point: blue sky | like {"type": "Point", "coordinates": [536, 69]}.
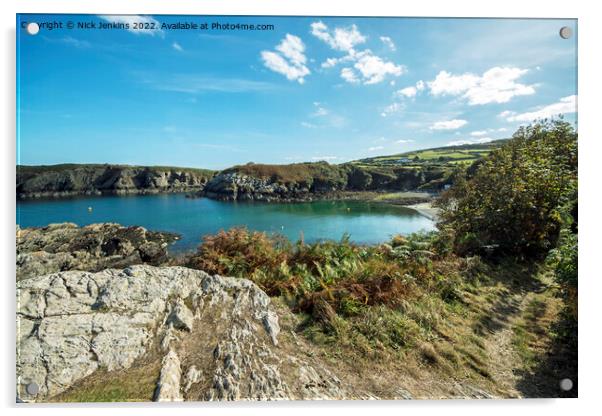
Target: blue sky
{"type": "Point", "coordinates": [334, 89]}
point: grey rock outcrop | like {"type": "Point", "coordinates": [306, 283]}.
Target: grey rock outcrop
{"type": "Point", "coordinates": [69, 180]}
{"type": "Point", "coordinates": [235, 186]}
{"type": "Point", "coordinates": [222, 346]}
{"type": "Point", "coordinates": [65, 246]}
{"type": "Point", "coordinates": [181, 317]}
{"type": "Point", "coordinates": [321, 181]}
{"type": "Point", "coordinates": [168, 387]}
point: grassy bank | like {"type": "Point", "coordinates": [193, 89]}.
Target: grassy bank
{"type": "Point", "coordinates": [410, 306]}
{"type": "Point", "coordinates": [489, 302]}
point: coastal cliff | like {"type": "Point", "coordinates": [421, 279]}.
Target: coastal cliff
{"type": "Point", "coordinates": [260, 182]}
{"type": "Point", "coordinates": [73, 179]}
{"type": "Point", "coordinates": [308, 181]}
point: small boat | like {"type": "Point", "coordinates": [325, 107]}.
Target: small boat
{"type": "Point", "coordinates": [89, 209]}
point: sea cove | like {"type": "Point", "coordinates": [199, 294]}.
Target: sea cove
{"type": "Point", "coordinates": [365, 222]}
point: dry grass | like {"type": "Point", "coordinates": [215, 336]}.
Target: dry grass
{"type": "Point", "coordinates": [293, 173]}
{"type": "Point", "coordinates": [136, 384]}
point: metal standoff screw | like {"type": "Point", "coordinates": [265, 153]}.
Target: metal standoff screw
{"type": "Point", "coordinates": [566, 384]}
{"type": "Point", "coordinates": [32, 388]}
{"type": "Point", "coordinates": [33, 28]}
{"type": "Point", "coordinates": [565, 32]}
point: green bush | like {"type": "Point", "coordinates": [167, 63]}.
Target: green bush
{"type": "Point", "coordinates": [511, 200]}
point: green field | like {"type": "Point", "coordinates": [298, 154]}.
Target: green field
{"type": "Point", "coordinates": [453, 155]}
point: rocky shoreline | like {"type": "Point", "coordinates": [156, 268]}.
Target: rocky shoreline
{"type": "Point", "coordinates": [62, 181]}
{"type": "Point", "coordinates": [65, 246]}
{"type": "Point", "coordinates": [235, 186]}
{"type": "Point", "coordinates": [268, 183]}
{"type": "Point", "coordinates": [92, 309]}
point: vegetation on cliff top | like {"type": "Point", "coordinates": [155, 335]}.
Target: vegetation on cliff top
{"type": "Point", "coordinates": [428, 169]}
{"type": "Point", "coordinates": [439, 156]}
{"type": "Point", "coordinates": [438, 297]}
{"type": "Point", "coordinates": [76, 179]}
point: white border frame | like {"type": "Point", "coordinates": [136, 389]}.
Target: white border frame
{"type": "Point", "coordinates": [589, 155]}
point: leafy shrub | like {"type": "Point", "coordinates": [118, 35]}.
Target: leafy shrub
{"type": "Point", "coordinates": [242, 253]}
{"type": "Point", "coordinates": [564, 260]}
{"type": "Point", "coordinates": [511, 199]}
{"type": "Point", "coordinates": [346, 276]}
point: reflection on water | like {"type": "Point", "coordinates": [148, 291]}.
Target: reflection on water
{"type": "Point", "coordinates": [192, 218]}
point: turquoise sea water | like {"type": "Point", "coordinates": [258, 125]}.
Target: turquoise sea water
{"type": "Point", "coordinates": [194, 217]}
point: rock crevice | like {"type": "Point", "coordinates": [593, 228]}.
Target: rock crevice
{"type": "Point", "coordinates": [216, 338]}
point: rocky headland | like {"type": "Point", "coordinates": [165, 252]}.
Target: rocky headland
{"type": "Point", "coordinates": [65, 246]}
{"type": "Point", "coordinates": [258, 182]}
{"type": "Point", "coordinates": [72, 180]}
{"type": "Point", "coordinates": [311, 181]}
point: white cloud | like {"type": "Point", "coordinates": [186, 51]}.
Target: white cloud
{"type": "Point", "coordinates": [402, 141]}
{"type": "Point", "coordinates": [308, 125]}
{"type": "Point", "coordinates": [374, 69]}
{"type": "Point", "coordinates": [75, 42]}
{"type": "Point", "coordinates": [506, 113]}
{"type": "Point", "coordinates": [409, 92]}
{"type": "Point", "coordinates": [448, 124]}
{"type": "Point", "coordinates": [289, 60]}
{"type": "Point", "coordinates": [367, 68]}
{"type": "Point", "coordinates": [324, 158]}
{"type": "Point", "coordinates": [324, 117]}
{"type": "Point", "coordinates": [565, 105]}
{"type": "Point", "coordinates": [375, 148]}
{"type": "Point", "coordinates": [342, 39]}
{"type": "Point", "coordinates": [320, 111]}
{"type": "Point", "coordinates": [348, 75]}
{"type": "Point", "coordinates": [392, 108]}
{"type": "Point", "coordinates": [177, 47]}
{"type": "Point", "coordinates": [293, 48]}
{"type": "Point", "coordinates": [330, 62]}
{"type": "Point", "coordinates": [388, 42]}
{"type": "Point", "coordinates": [130, 20]}
{"type": "Point", "coordinates": [496, 85]}
{"type": "Point", "coordinates": [470, 141]}
{"type": "Point", "coordinates": [481, 133]}
{"type": "Point", "coordinates": [193, 84]}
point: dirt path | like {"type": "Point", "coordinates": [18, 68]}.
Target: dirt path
{"type": "Point", "coordinates": [518, 335]}
{"type": "Point", "coordinates": [503, 358]}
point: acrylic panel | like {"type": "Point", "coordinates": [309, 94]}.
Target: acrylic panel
{"type": "Point", "coordinates": [295, 208]}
